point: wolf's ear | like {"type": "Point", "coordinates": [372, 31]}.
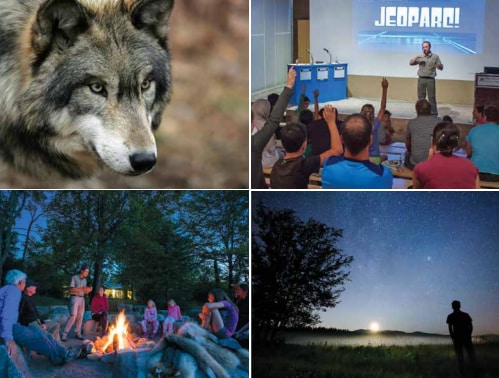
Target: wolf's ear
{"type": "Point", "coordinates": [58, 23]}
{"type": "Point", "coordinates": [152, 16]}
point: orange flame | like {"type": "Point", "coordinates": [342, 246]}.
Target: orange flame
{"type": "Point", "coordinates": [120, 329]}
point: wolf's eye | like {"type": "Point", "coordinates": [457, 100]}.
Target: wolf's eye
{"type": "Point", "coordinates": [146, 84]}
{"type": "Point", "coordinates": [97, 88]}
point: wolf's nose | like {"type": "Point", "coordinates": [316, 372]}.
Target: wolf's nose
{"type": "Point", "coordinates": [142, 162]}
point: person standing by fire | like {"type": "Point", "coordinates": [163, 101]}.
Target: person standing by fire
{"type": "Point", "coordinates": [77, 290]}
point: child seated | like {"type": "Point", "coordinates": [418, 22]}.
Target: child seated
{"type": "Point", "coordinates": [150, 317]}
{"type": "Point", "coordinates": [220, 314]}
{"type": "Point", "coordinates": [173, 315]}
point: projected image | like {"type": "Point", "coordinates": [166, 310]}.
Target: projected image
{"type": "Point", "coordinates": [452, 26]}
{"type": "Point", "coordinates": [407, 41]}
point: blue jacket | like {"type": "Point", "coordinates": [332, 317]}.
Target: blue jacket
{"type": "Point", "coordinates": [10, 296]}
{"type": "Point", "coordinates": [339, 172]}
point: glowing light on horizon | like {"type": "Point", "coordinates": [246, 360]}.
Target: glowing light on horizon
{"type": "Point", "coordinates": [374, 326]}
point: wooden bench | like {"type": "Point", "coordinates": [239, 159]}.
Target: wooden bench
{"type": "Point", "coordinates": [309, 186]}
{"type": "Point", "coordinates": [406, 173]}
{"type": "Point", "coordinates": [315, 181]}
{"type": "Point", "coordinates": [402, 179]}
{"type": "Point", "coordinates": [489, 184]}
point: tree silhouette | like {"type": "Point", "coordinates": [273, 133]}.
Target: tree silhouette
{"type": "Point", "coordinates": [161, 244]}
{"type": "Point", "coordinates": [11, 205]}
{"type": "Point", "coordinates": [296, 271]}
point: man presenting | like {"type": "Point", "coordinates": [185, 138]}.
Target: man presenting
{"type": "Point", "coordinates": [77, 290]}
{"type": "Point", "coordinates": [428, 64]}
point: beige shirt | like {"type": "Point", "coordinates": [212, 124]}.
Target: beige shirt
{"type": "Point", "coordinates": [428, 65]}
{"type": "Point", "coordinates": [77, 282]}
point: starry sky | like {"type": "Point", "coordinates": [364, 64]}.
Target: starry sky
{"type": "Point", "coordinates": [414, 253]}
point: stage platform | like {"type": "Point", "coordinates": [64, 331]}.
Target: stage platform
{"type": "Point", "coordinates": [402, 109]}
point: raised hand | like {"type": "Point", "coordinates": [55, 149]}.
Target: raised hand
{"type": "Point", "coordinates": [290, 80]}
{"type": "Point", "coordinates": [329, 113]}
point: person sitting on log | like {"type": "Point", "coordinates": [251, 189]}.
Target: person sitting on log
{"type": "Point", "coordinates": [220, 315]}
{"type": "Point", "coordinates": [173, 316]}
{"type": "Point", "coordinates": [100, 308]}
{"type": "Point", "coordinates": [150, 317]}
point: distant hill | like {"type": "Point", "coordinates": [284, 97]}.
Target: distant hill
{"type": "Point", "coordinates": [335, 331]}
{"type": "Point", "coordinates": [490, 338]}
{"type": "Point", "coordinates": [396, 333]}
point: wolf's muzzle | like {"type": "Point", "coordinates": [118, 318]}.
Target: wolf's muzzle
{"type": "Point", "coordinates": [142, 162]}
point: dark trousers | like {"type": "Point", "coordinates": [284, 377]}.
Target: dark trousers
{"type": "Point", "coordinates": [459, 346]}
{"type": "Point", "coordinates": [408, 163]}
{"type": "Point", "coordinates": [101, 319]}
{"type": "Point", "coordinates": [427, 85]}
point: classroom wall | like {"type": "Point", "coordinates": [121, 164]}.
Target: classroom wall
{"type": "Point", "coordinates": [404, 89]}
{"type": "Point", "coordinates": [271, 43]}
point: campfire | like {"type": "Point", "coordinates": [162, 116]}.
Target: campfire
{"type": "Point", "coordinates": [191, 351]}
{"type": "Point", "coordinates": [117, 337]}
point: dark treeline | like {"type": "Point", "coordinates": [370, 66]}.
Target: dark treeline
{"type": "Point", "coordinates": [297, 271]}
{"type": "Point", "coordinates": [161, 244]}
{"type": "Point", "coordinates": [319, 330]}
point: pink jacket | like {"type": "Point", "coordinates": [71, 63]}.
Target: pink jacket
{"type": "Point", "coordinates": [174, 312]}
{"type": "Point", "coordinates": [150, 313]}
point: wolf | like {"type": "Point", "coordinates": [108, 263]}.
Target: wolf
{"type": "Point", "coordinates": [83, 85]}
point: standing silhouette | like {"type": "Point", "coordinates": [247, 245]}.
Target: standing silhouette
{"type": "Point", "coordinates": [460, 329]}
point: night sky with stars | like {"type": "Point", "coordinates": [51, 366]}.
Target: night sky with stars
{"type": "Point", "coordinates": [414, 253]}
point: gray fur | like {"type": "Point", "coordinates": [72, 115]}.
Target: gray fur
{"type": "Point", "coordinates": [224, 356]}
{"type": "Point", "coordinates": [192, 354]}
{"type": "Point", "coordinates": [187, 366]}
{"type": "Point", "coordinates": [83, 84]}
{"type": "Point", "coordinates": [206, 361]}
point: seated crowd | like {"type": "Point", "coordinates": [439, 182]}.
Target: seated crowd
{"type": "Point", "coordinates": [347, 154]}
{"type": "Point", "coordinates": [21, 324]}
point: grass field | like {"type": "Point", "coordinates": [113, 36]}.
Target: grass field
{"type": "Point", "coordinates": [364, 361]}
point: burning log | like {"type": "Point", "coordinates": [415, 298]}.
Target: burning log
{"type": "Point", "coordinates": [193, 352]}
{"type": "Point", "coordinates": [118, 335]}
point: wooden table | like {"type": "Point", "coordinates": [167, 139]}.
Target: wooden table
{"type": "Point", "coordinates": [396, 149]}
{"type": "Point", "coordinates": [402, 172]}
